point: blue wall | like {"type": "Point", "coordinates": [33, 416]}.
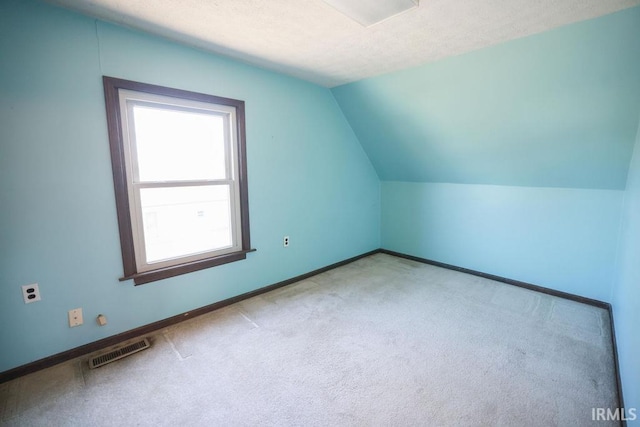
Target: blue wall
{"type": "Point", "coordinates": [513, 159]}
{"type": "Point", "coordinates": [558, 109]}
{"type": "Point", "coordinates": [559, 238]}
{"type": "Point", "coordinates": [308, 178]}
{"type": "Point", "coordinates": [626, 295]}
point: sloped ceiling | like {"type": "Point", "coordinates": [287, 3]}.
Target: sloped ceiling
{"type": "Point", "coordinates": [508, 92]}
{"type": "Point", "coordinates": [558, 109]}
{"type": "Point", "coordinates": [311, 40]}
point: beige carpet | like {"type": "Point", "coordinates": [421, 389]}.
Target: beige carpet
{"type": "Point", "coordinates": [381, 341]}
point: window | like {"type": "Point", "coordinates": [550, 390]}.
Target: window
{"type": "Point", "coordinates": [180, 177]}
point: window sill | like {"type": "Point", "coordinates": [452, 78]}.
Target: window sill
{"type": "Point", "coordinates": [164, 273]}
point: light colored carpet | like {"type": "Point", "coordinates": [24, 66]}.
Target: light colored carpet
{"type": "Point", "coordinates": [381, 341]}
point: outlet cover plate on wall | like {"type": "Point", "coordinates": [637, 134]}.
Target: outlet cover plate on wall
{"type": "Point", "coordinates": [75, 317]}
{"type": "Point", "coordinates": [30, 293]}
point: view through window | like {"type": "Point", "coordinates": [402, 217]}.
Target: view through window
{"type": "Point", "coordinates": [180, 177]}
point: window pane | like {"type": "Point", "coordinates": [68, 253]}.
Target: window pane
{"type": "Point", "coordinates": [175, 145]}
{"type": "Point", "coordinates": [183, 221]}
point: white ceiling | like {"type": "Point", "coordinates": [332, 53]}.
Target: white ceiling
{"type": "Point", "coordinates": [313, 41]}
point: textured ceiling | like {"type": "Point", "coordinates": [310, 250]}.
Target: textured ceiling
{"type": "Point", "coordinates": [311, 40]}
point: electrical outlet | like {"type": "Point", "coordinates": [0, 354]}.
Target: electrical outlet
{"type": "Point", "coordinates": [285, 241]}
{"type": "Point", "coordinates": [75, 317]}
{"type": "Point", "coordinates": [30, 293]}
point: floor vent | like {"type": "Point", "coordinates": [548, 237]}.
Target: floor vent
{"type": "Point", "coordinates": [118, 353]}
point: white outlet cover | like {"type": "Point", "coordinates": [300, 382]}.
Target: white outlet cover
{"type": "Point", "coordinates": [30, 293]}
{"type": "Point", "coordinates": [75, 317]}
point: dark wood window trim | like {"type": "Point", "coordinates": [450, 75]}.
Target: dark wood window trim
{"type": "Point", "coordinates": [114, 123]}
